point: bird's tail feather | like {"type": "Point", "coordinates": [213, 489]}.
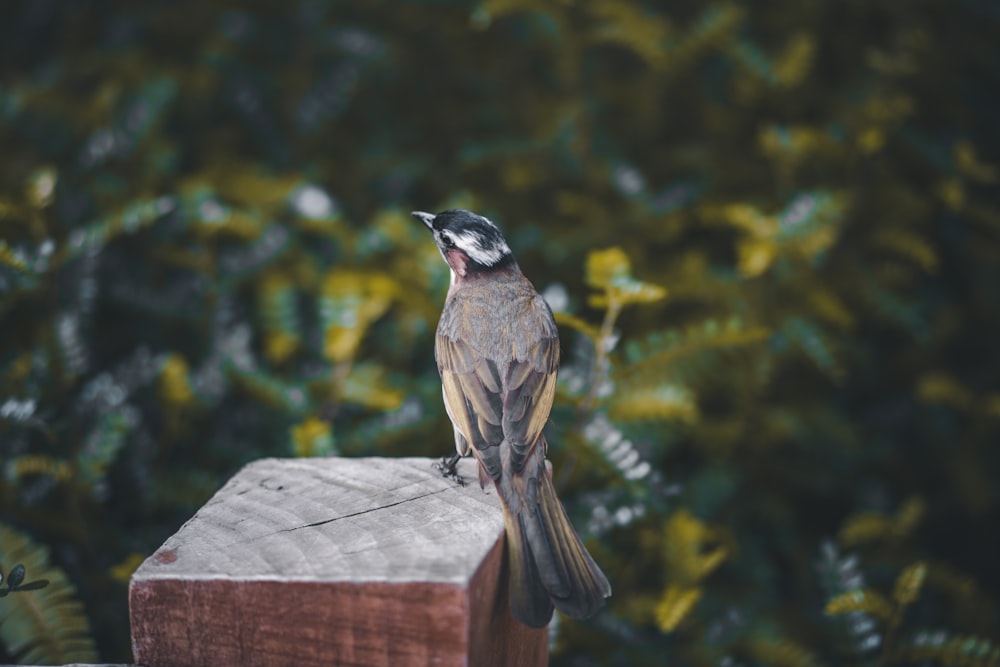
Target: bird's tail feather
{"type": "Point", "coordinates": [529, 601]}
{"type": "Point", "coordinates": [549, 564]}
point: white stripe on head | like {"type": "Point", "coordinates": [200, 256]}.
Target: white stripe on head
{"type": "Point", "coordinates": [472, 244]}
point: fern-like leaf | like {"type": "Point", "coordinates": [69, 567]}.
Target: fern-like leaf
{"type": "Point", "coordinates": [667, 401]}
{"type": "Point", "coordinates": [674, 607]}
{"type": "Point", "coordinates": [909, 583]}
{"type": "Point", "coordinates": [867, 601]}
{"type": "Point", "coordinates": [677, 353]}
{"type": "Point", "coordinates": [47, 625]}
{"type": "Point", "coordinates": [781, 653]}
{"type": "Point", "coordinates": [944, 649]}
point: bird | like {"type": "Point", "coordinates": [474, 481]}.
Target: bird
{"type": "Point", "coordinates": [497, 351]}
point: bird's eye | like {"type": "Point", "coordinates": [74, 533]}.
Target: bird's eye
{"type": "Point", "coordinates": [447, 240]}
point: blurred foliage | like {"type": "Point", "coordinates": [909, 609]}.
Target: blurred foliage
{"type": "Point", "coordinates": [772, 233]}
{"type": "Point", "coordinates": [41, 620]}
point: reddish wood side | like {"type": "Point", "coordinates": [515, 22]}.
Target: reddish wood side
{"type": "Point", "coordinates": [268, 623]}
{"type": "Point", "coordinates": [195, 623]}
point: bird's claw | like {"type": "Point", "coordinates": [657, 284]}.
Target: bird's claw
{"type": "Point", "coordinates": [448, 466]}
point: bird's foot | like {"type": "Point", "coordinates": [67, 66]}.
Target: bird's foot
{"type": "Point", "coordinates": [449, 468]}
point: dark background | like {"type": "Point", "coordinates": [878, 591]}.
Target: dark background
{"type": "Point", "coordinates": [772, 230]}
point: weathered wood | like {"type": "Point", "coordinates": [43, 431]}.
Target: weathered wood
{"type": "Point", "coordinates": [333, 562]}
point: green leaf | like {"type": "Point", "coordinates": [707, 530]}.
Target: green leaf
{"type": "Point", "coordinates": [47, 625]}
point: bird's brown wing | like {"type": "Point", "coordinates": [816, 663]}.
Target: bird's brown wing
{"type": "Point", "coordinates": [473, 399]}
{"type": "Point", "coordinates": [530, 388]}
{"type": "Point", "coordinates": [488, 408]}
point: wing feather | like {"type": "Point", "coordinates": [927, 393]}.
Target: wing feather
{"type": "Point", "coordinates": [531, 387]}
{"type": "Point", "coordinates": [489, 375]}
{"type": "Point", "coordinates": [456, 405]}
{"type": "Point", "coordinates": [474, 409]}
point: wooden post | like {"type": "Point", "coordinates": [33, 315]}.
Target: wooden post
{"type": "Point", "coordinates": [334, 561]}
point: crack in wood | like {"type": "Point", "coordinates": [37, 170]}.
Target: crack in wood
{"type": "Point", "coordinates": [354, 514]}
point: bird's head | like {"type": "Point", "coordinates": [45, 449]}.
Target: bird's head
{"type": "Point", "coordinates": [469, 242]}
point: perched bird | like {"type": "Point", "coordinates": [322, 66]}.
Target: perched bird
{"type": "Point", "coordinates": [497, 350]}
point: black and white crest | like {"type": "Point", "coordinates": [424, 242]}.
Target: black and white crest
{"type": "Point", "coordinates": [473, 234]}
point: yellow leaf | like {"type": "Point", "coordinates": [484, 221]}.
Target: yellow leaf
{"type": "Point", "coordinates": [631, 27]}
{"type": "Point", "coordinates": [627, 291]}
{"type": "Point", "coordinates": [606, 266]}
{"type": "Point", "coordinates": [598, 301]}
{"type": "Point", "coordinates": [710, 29]}
{"type": "Point", "coordinates": [969, 164]}
{"type": "Point", "coordinates": [943, 389]}
{"type": "Point", "coordinates": [868, 601]}
{"type": "Point", "coordinates": [952, 193]}
{"type": "Point", "coordinates": [42, 187]}
{"type": "Point", "coordinates": [991, 405]}
{"type": "Point", "coordinates": [245, 183]}
{"type": "Point", "coordinates": [888, 108]}
{"type": "Point", "coordinates": [908, 516]}
{"type": "Point", "coordinates": [368, 386]}
{"type": "Point", "coordinates": [749, 218]}
{"type": "Point", "coordinates": [795, 63]}
{"type": "Point", "coordinates": [869, 527]}
{"type": "Point", "coordinates": [863, 528]}
{"type": "Point", "coordinates": [652, 367]}
{"type": "Point", "coordinates": [910, 246]}
{"type": "Point", "coordinates": [518, 175]}
{"type": "Point", "coordinates": [278, 346]}
{"type": "Point", "coordinates": [218, 220]}
{"type": "Point", "coordinates": [676, 604]}
{"type": "Point", "coordinates": [830, 307]}
{"type": "Point", "coordinates": [312, 437]}
{"type": "Point", "coordinates": [791, 144]}
{"type": "Point", "coordinates": [756, 256]}
{"type": "Point", "coordinates": [8, 258]}
{"type": "Point", "coordinates": [37, 464]}
{"type": "Point", "coordinates": [122, 572]}
{"type": "Point", "coordinates": [666, 401]}
{"type": "Point", "coordinates": [19, 368]}
{"type": "Point", "coordinates": [909, 582]}
{"type": "Point", "coordinates": [871, 140]}
{"type": "Point", "coordinates": [780, 653]}
{"type": "Point", "coordinates": [688, 558]}
{"type": "Point", "coordinates": [276, 297]}
{"type": "Point", "coordinates": [572, 321]}
{"type": "Point", "coordinates": [174, 385]}
{"type": "Point", "coordinates": [350, 303]}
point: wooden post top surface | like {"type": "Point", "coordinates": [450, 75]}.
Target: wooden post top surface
{"type": "Point", "coordinates": [336, 519]}
{"type": "Point", "coordinates": [334, 561]}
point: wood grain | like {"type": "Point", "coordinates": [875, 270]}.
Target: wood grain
{"type": "Point", "coordinates": [334, 562]}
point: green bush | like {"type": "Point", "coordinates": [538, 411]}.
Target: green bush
{"type": "Point", "coordinates": [771, 231]}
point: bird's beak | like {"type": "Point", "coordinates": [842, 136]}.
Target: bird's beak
{"type": "Point", "coordinates": [426, 218]}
